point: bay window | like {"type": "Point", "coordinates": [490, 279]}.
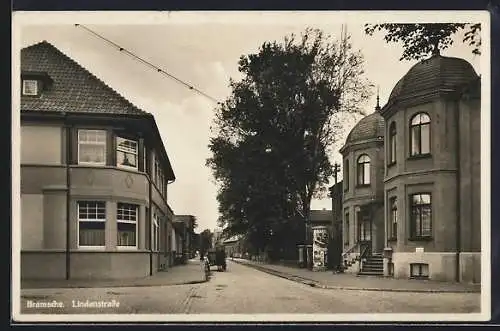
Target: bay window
{"type": "Point", "coordinates": [126, 153]}
{"type": "Point", "coordinates": [393, 218]}
{"type": "Point", "coordinates": [364, 170]}
{"type": "Point", "coordinates": [421, 215]}
{"type": "Point", "coordinates": [392, 144]}
{"type": "Point", "coordinates": [91, 223]}
{"type": "Point", "coordinates": [126, 219]}
{"type": "Point", "coordinates": [92, 147]}
{"type": "Point", "coordinates": [420, 135]}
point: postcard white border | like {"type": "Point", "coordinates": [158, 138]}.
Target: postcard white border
{"type": "Point", "coordinates": [21, 19]}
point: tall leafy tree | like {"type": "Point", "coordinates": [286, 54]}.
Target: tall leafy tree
{"type": "Point", "coordinates": [270, 154]}
{"type": "Point", "coordinates": [422, 40]}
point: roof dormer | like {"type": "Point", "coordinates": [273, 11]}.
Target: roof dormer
{"type": "Point", "coordinates": [33, 83]}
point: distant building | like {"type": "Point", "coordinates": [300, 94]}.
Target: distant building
{"type": "Point", "coordinates": [234, 246]}
{"type": "Point", "coordinates": [94, 176]}
{"type": "Point", "coordinates": [184, 225]}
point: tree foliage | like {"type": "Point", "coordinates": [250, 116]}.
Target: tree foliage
{"type": "Point", "coordinates": [421, 40]}
{"type": "Point", "coordinates": [270, 153]}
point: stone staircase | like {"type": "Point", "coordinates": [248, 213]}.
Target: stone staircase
{"type": "Point", "coordinates": [372, 265]}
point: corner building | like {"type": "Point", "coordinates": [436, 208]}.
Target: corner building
{"type": "Point", "coordinates": [429, 176]}
{"type": "Point", "coordinates": [94, 176]}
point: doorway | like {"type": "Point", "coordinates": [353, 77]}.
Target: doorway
{"type": "Point", "coordinates": [365, 231]}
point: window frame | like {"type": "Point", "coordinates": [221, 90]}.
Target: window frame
{"type": "Point", "coordinates": [104, 144]}
{"type": "Point", "coordinates": [155, 235]}
{"type": "Point", "coordinates": [37, 87]}
{"type": "Point", "coordinates": [119, 149]}
{"type": "Point", "coordinates": [346, 226]}
{"type": "Point", "coordinates": [123, 221]}
{"type": "Point", "coordinates": [392, 159]}
{"type": "Point", "coordinates": [393, 214]}
{"type": "Point", "coordinates": [346, 173]}
{"type": "Point", "coordinates": [89, 220]}
{"type": "Point", "coordinates": [420, 274]}
{"type": "Point", "coordinates": [419, 125]}
{"type": "Point", "coordinates": [158, 175]}
{"type": "Point", "coordinates": [413, 223]}
{"type": "Point", "coordinates": [144, 159]}
{"type": "Point", "coordinates": [362, 165]}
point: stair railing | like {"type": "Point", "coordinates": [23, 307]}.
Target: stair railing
{"type": "Point", "coordinates": [365, 250]}
{"type": "Point", "coordinates": [349, 251]}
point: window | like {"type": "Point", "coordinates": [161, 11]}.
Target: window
{"type": "Point", "coordinates": [92, 147]}
{"type": "Point", "coordinates": [393, 218]}
{"type": "Point", "coordinates": [30, 87]}
{"type": "Point", "coordinates": [346, 228]}
{"type": "Point", "coordinates": [392, 143]}
{"type": "Point", "coordinates": [144, 159]}
{"type": "Point", "coordinates": [91, 223]}
{"type": "Point", "coordinates": [420, 135]}
{"type": "Point", "coordinates": [419, 270]}
{"type": "Point", "coordinates": [156, 232]}
{"type": "Point", "coordinates": [126, 219]}
{"type": "Point", "coordinates": [364, 170]}
{"type": "Point", "coordinates": [159, 178]}
{"type": "Point", "coordinates": [346, 175]}
{"type": "Point", "coordinates": [421, 213]}
{"type": "Point", "coordinates": [126, 153]}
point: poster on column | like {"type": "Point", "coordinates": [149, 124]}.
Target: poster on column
{"type": "Point", "coordinates": [320, 247]}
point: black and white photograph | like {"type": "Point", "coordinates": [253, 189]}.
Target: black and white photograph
{"type": "Point", "coordinates": [251, 166]}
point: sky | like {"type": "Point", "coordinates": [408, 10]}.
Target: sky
{"type": "Point", "coordinates": [203, 49]}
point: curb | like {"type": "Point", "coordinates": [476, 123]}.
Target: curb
{"type": "Point", "coordinates": [314, 283]}
{"type": "Point", "coordinates": [115, 286]}
{"type": "Point", "coordinates": [118, 285]}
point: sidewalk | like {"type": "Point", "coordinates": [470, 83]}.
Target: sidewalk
{"type": "Point", "coordinates": [189, 273]}
{"type": "Point", "coordinates": [330, 280]}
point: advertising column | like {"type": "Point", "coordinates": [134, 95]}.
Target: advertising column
{"type": "Point", "coordinates": [320, 248]}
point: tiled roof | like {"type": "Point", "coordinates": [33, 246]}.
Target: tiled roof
{"type": "Point", "coordinates": [438, 73]}
{"type": "Point", "coordinates": [369, 127]}
{"type": "Point", "coordinates": [74, 89]}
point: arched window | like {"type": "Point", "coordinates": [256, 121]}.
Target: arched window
{"type": "Point", "coordinates": [392, 143]}
{"type": "Point", "coordinates": [364, 170]}
{"type": "Point", "coordinates": [420, 134]}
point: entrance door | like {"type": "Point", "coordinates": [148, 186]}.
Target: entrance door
{"type": "Point", "coordinates": [365, 232]}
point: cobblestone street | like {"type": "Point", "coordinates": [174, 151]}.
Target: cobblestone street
{"type": "Point", "coordinates": [244, 290]}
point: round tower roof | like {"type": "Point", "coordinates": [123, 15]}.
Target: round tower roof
{"type": "Point", "coordinates": [369, 127]}
{"type": "Point", "coordinates": [435, 74]}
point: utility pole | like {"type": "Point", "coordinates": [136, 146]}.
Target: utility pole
{"type": "Point", "coordinates": [336, 170]}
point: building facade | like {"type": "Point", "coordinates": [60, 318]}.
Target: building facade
{"type": "Point", "coordinates": [189, 235]}
{"type": "Point", "coordinates": [94, 176]}
{"type": "Point", "coordinates": [415, 165]}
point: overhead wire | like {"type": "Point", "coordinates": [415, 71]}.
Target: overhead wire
{"type": "Point", "coordinates": [149, 64]}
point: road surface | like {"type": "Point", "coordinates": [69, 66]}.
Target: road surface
{"type": "Point", "coordinates": [243, 290]}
